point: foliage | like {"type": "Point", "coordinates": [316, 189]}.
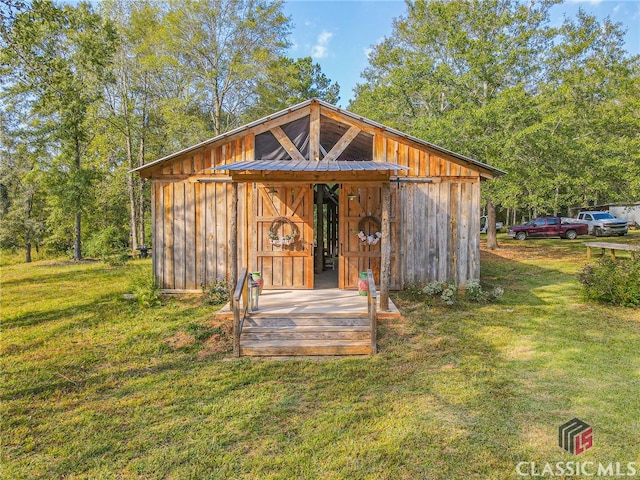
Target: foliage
{"type": "Point", "coordinates": [217, 293]}
{"type": "Point", "coordinates": [289, 82]}
{"type": "Point", "coordinates": [88, 96]}
{"type": "Point", "coordinates": [109, 246]}
{"type": "Point", "coordinates": [55, 61]}
{"type": "Point", "coordinates": [22, 196]}
{"type": "Point", "coordinates": [434, 288]}
{"type": "Point", "coordinates": [474, 292]}
{"type": "Point", "coordinates": [223, 48]}
{"type": "Point", "coordinates": [612, 281]}
{"type": "Point", "coordinates": [449, 292]}
{"type": "Point", "coordinates": [507, 88]}
{"type": "Point", "coordinates": [146, 290]}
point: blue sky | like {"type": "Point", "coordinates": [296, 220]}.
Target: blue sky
{"type": "Point", "coordinates": [339, 33]}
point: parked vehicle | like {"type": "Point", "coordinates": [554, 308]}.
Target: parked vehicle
{"type": "Point", "coordinates": [603, 223]}
{"type": "Point", "coordinates": [548, 227]}
{"type": "Point", "coordinates": [483, 225]}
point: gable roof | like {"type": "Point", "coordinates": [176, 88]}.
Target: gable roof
{"type": "Point", "coordinates": [467, 161]}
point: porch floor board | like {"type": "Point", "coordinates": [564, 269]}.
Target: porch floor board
{"type": "Point", "coordinates": [326, 302]}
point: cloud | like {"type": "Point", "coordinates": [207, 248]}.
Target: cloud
{"type": "Point", "coordinates": [321, 48]}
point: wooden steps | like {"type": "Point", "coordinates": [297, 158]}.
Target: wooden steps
{"type": "Point", "coordinates": [305, 334]}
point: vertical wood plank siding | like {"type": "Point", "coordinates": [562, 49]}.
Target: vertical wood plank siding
{"type": "Point", "coordinates": [190, 221]}
{"type": "Point", "coordinates": [434, 221]}
{"type": "Point", "coordinates": [440, 230]}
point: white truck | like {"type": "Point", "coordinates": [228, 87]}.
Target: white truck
{"type": "Point", "coordinates": [603, 223]}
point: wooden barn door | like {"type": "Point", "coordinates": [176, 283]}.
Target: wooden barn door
{"type": "Point", "coordinates": [282, 211]}
{"type": "Point", "coordinates": [360, 209]}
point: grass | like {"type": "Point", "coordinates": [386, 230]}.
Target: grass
{"type": "Point", "coordinates": [95, 387]}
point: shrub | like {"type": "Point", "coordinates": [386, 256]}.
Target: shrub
{"type": "Point", "coordinates": [108, 246]}
{"type": "Point", "coordinates": [474, 292]}
{"type": "Point", "coordinates": [434, 288]}
{"type": "Point", "coordinates": [146, 290]}
{"type": "Point", "coordinates": [217, 293]}
{"type": "Point", "coordinates": [611, 281]}
{"type": "Point", "coordinates": [448, 295]}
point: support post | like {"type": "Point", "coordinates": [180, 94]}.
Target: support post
{"type": "Point", "coordinates": [385, 248]}
{"type": "Point", "coordinates": [233, 240]}
{"type": "Point", "coordinates": [319, 229]}
{"type": "Point", "coordinates": [314, 132]}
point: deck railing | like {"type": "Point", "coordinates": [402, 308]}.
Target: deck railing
{"type": "Point", "coordinates": [240, 309]}
{"type": "Point", "coordinates": [372, 306]}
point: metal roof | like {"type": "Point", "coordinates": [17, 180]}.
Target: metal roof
{"type": "Point", "coordinates": [323, 104]}
{"type": "Point", "coordinates": [309, 166]}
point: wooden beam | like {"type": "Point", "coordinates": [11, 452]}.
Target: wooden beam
{"type": "Point", "coordinates": [342, 144]}
{"type": "Point", "coordinates": [385, 248]}
{"type": "Point", "coordinates": [314, 177]}
{"type": "Point", "coordinates": [287, 144]}
{"type": "Point", "coordinates": [233, 240]}
{"type": "Point", "coordinates": [314, 133]}
{"type": "Point", "coordinates": [319, 229]}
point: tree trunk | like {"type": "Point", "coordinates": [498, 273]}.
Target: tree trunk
{"type": "Point", "coordinates": [77, 244]}
{"type": "Point", "coordinates": [27, 251]}
{"type": "Point", "coordinates": [492, 239]}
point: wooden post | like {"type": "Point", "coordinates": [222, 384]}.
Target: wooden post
{"type": "Point", "coordinates": [314, 132]}
{"type": "Point", "coordinates": [233, 240]}
{"type": "Point", "coordinates": [319, 229]}
{"type": "Point", "coordinates": [385, 248]}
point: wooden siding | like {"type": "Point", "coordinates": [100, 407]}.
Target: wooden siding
{"type": "Point", "coordinates": [191, 233]}
{"type": "Point", "coordinates": [434, 225]}
{"type": "Point", "coordinates": [440, 232]}
{"type": "Point", "coordinates": [422, 163]}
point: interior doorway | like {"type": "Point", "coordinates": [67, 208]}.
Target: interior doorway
{"type": "Point", "coordinates": [326, 224]}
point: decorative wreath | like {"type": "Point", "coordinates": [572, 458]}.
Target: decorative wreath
{"type": "Point", "coordinates": [369, 239]}
{"type": "Point", "coordinates": [275, 228]}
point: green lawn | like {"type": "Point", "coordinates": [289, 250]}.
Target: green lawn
{"type": "Point", "coordinates": [95, 387]}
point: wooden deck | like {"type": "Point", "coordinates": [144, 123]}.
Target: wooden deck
{"type": "Point", "coordinates": [308, 322]}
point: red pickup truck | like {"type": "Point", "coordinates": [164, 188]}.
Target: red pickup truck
{"type": "Point", "coordinates": [548, 227]}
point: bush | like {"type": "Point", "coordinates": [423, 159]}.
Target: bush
{"type": "Point", "coordinates": [448, 292]}
{"type": "Point", "coordinates": [611, 281]}
{"type": "Point", "coordinates": [108, 246]}
{"type": "Point", "coordinates": [217, 293]}
{"type": "Point", "coordinates": [474, 292]}
{"type": "Point", "coordinates": [146, 290]}
{"type": "Point", "coordinates": [434, 288]}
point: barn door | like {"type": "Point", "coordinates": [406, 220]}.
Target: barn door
{"type": "Point", "coordinates": [360, 211]}
{"type": "Point", "coordinates": [283, 234]}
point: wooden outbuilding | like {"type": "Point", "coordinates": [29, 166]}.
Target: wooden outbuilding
{"type": "Point", "coordinates": [312, 189]}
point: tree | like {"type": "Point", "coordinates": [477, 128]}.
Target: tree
{"type": "Point", "coordinates": [447, 66]}
{"type": "Point", "coordinates": [56, 61]}
{"type": "Point", "coordinates": [222, 49]}
{"type": "Point", "coordinates": [288, 82]}
{"type": "Point", "coordinates": [22, 199]}
{"type": "Point", "coordinates": [493, 80]}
